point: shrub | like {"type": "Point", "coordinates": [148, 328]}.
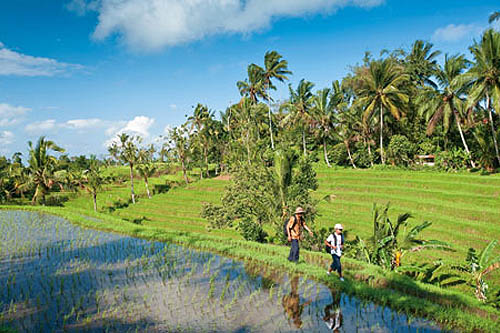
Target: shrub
{"type": "Point", "coordinates": [161, 188]}
{"type": "Point", "coordinates": [400, 150]}
{"type": "Point", "coordinates": [452, 160]}
{"type": "Point", "coordinates": [361, 156]}
{"type": "Point", "coordinates": [56, 200]}
{"type": "Point", "coordinates": [338, 155]}
{"type": "Point", "coordinates": [252, 231]}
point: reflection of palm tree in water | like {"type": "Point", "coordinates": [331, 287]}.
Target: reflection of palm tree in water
{"type": "Point", "coordinates": [291, 303]}
{"type": "Point", "coordinates": [333, 314]}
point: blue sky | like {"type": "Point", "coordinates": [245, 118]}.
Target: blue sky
{"type": "Point", "coordinates": [81, 71]}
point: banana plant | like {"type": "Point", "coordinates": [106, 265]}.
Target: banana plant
{"type": "Point", "coordinates": [387, 245]}
{"type": "Point", "coordinates": [479, 266]}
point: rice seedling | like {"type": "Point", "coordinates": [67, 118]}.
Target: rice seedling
{"type": "Point", "coordinates": [75, 278]}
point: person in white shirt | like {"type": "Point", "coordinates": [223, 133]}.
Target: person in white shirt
{"type": "Point", "coordinates": [336, 242]}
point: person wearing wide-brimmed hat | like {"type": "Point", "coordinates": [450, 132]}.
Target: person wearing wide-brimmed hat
{"type": "Point", "coordinates": [294, 232]}
{"type": "Point", "coordinates": [336, 243]}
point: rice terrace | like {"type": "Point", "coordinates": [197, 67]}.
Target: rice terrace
{"type": "Point", "coordinates": [241, 166]}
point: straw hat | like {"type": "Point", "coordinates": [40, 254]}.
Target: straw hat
{"type": "Point", "coordinates": [299, 210]}
{"type": "Point", "coordinates": [339, 226]}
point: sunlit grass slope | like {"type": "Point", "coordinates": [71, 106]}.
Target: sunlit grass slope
{"type": "Point", "coordinates": [464, 208]}
{"type": "Point", "coordinates": [179, 209]}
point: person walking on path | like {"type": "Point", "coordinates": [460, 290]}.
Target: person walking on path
{"type": "Point", "coordinates": [336, 242]}
{"type": "Point", "coordinates": [294, 233]}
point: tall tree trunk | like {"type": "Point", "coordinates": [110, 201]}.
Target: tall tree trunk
{"type": "Point", "coordinates": [270, 119]}
{"type": "Point", "coordinates": [493, 132]}
{"type": "Point", "coordinates": [184, 173]}
{"type": "Point", "coordinates": [349, 154]}
{"type": "Point", "coordinates": [463, 139]}
{"type": "Point", "coordinates": [304, 141]}
{"type": "Point", "coordinates": [37, 189]}
{"type": "Point", "coordinates": [147, 187]}
{"type": "Point", "coordinates": [326, 154]}
{"type": "Point", "coordinates": [94, 198]}
{"type": "Point", "coordinates": [382, 133]}
{"type": "Point", "coordinates": [369, 152]}
{"type": "Point", "coordinates": [206, 162]}
{"type": "Point", "coordinates": [132, 181]}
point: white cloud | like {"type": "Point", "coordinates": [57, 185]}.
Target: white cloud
{"type": "Point", "coordinates": [81, 7]}
{"type": "Point", "coordinates": [11, 115]}
{"type": "Point", "coordinates": [51, 125]}
{"type": "Point", "coordinates": [140, 126]}
{"type": "Point", "coordinates": [83, 123]}
{"type": "Point", "coordinates": [453, 33]}
{"type": "Point", "coordinates": [153, 24]}
{"type": "Point", "coordinates": [6, 138]}
{"type": "Point", "coordinates": [15, 63]}
{"type": "Point", "coordinates": [41, 126]}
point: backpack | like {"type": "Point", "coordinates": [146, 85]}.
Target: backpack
{"type": "Point", "coordinates": [329, 249]}
{"type": "Point", "coordinates": [286, 224]}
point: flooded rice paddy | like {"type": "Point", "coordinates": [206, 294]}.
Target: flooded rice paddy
{"type": "Point", "coordinates": [57, 277]}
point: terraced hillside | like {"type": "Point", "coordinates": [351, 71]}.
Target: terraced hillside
{"type": "Point", "coordinates": [464, 208]}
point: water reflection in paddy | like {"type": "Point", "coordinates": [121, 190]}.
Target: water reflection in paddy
{"type": "Point", "coordinates": [61, 277]}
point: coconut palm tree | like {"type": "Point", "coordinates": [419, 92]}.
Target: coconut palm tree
{"type": "Point", "coordinates": [200, 126]}
{"type": "Point", "coordinates": [444, 103]}
{"type": "Point", "coordinates": [127, 152]}
{"type": "Point", "coordinates": [93, 180]}
{"type": "Point", "coordinates": [484, 78]}
{"type": "Point", "coordinates": [323, 114]}
{"type": "Point", "coordinates": [494, 17]}
{"type": "Point", "coordinates": [146, 167]}
{"type": "Point", "coordinates": [147, 170]}
{"type": "Point", "coordinates": [179, 140]}
{"type": "Point", "coordinates": [275, 68]}
{"type": "Point", "coordinates": [346, 131]}
{"type": "Point", "coordinates": [253, 87]}
{"type": "Point", "coordinates": [42, 167]}
{"type": "Point", "coordinates": [421, 63]}
{"type": "Point", "coordinates": [299, 107]}
{"type": "Point", "coordinates": [379, 89]}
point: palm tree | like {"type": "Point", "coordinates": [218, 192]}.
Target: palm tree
{"type": "Point", "coordinates": [445, 102]}
{"type": "Point", "coordinates": [93, 181]}
{"type": "Point", "coordinates": [346, 131]}
{"type": "Point", "coordinates": [421, 63]}
{"type": "Point", "coordinates": [323, 114]}
{"type": "Point", "coordinates": [42, 167]}
{"type": "Point", "coordinates": [484, 77]}
{"type": "Point", "coordinates": [379, 88]}
{"type": "Point", "coordinates": [494, 17]}
{"type": "Point", "coordinates": [200, 125]}
{"type": "Point", "coordinates": [253, 87]}
{"type": "Point", "coordinates": [147, 170]}
{"type": "Point", "coordinates": [179, 140]}
{"type": "Point", "coordinates": [127, 152]}
{"type": "Point", "coordinates": [146, 167]}
{"type": "Point", "coordinates": [275, 68]}
{"type": "Point", "coordinates": [299, 107]}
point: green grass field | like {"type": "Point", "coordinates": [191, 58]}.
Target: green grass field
{"type": "Point", "coordinates": [464, 208]}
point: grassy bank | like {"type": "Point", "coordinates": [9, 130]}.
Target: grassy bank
{"type": "Point", "coordinates": [464, 209]}
{"type": "Point", "coordinates": [449, 308]}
